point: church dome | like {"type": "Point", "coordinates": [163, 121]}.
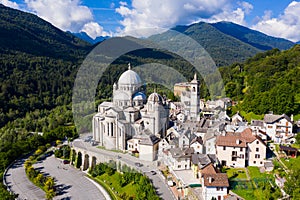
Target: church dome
{"type": "Point", "coordinates": [154, 97]}
{"type": "Point", "coordinates": [130, 78]}
{"type": "Point", "coordinates": [139, 96]}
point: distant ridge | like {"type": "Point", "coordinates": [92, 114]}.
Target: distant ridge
{"type": "Point", "coordinates": [252, 37]}
{"type": "Point", "coordinates": [84, 36]}
{"type": "Point", "coordinates": [227, 42]}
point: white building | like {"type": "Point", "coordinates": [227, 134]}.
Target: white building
{"type": "Point", "coordinates": [278, 127]}
{"type": "Point", "coordinates": [129, 114]}
{"type": "Point", "coordinates": [240, 149]}
{"type": "Point", "coordinates": [214, 186]}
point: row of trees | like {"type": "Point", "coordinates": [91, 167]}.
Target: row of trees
{"type": "Point", "coordinates": [46, 183]}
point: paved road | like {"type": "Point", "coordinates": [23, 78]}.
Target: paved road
{"type": "Point", "coordinates": [158, 181]}
{"type": "Point", "coordinates": [72, 183]}
{"type": "Point", "coordinates": [18, 182]}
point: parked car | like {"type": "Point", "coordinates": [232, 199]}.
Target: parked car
{"type": "Point", "coordinates": [66, 161]}
{"type": "Point", "coordinates": [153, 172]}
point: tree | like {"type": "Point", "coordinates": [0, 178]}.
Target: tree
{"type": "Point", "coordinates": [79, 160]}
{"type": "Point", "coordinates": [49, 183]}
{"type": "Point", "coordinates": [292, 183]}
{"type": "Point", "coordinates": [50, 194]}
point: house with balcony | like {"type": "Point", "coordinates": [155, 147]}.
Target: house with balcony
{"type": "Point", "coordinates": [240, 149]}
{"type": "Point", "coordinates": [278, 127]}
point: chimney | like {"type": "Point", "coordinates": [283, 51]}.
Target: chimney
{"type": "Point", "coordinates": [292, 118]}
{"type": "Point", "coordinates": [237, 141]}
{"type": "Point", "coordinates": [209, 179]}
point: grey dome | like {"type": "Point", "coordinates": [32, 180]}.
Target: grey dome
{"type": "Point", "coordinates": [130, 78]}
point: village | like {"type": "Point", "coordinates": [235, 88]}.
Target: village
{"type": "Point", "coordinates": [194, 142]}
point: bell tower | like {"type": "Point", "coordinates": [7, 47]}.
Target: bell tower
{"type": "Point", "coordinates": [195, 98]}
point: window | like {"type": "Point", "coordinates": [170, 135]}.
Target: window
{"type": "Point", "coordinates": [254, 162]}
{"type": "Point", "coordinates": [242, 156]}
{"type": "Point", "coordinates": [257, 142]}
{"type": "Point", "coordinates": [257, 149]}
{"type": "Point", "coordinates": [257, 156]}
{"type": "Point", "coordinates": [179, 166]}
{"type": "Point", "coordinates": [219, 188]}
{"type": "Point", "coordinates": [224, 148]}
{"type": "Point", "coordinates": [234, 159]}
{"type": "Point", "coordinates": [270, 127]}
{"type": "Point", "coordinates": [241, 149]}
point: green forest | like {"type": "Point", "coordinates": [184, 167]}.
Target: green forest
{"type": "Point", "coordinates": [266, 82]}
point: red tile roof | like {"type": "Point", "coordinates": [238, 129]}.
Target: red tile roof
{"type": "Point", "coordinates": [236, 139]}
{"type": "Point", "coordinates": [215, 180]}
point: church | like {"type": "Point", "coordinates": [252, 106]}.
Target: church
{"type": "Point", "coordinates": [131, 115]}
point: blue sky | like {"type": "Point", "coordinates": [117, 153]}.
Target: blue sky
{"type": "Point", "coordinates": [280, 18]}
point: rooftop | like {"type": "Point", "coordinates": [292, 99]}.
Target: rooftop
{"type": "Point", "coordinates": [215, 180]}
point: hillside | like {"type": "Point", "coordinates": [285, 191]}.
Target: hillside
{"type": "Point", "coordinates": [252, 37]}
{"type": "Point", "coordinates": [267, 82]}
{"type": "Point", "coordinates": [27, 33]}
{"type": "Point", "coordinates": [38, 64]}
{"type": "Point", "coordinates": [228, 43]}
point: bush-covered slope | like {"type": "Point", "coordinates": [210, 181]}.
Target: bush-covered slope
{"type": "Point", "coordinates": [267, 82]}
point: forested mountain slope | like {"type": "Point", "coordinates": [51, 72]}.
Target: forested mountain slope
{"type": "Point", "coordinates": [38, 63]}
{"type": "Point", "coordinates": [267, 82]}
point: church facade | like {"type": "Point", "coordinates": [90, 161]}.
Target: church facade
{"type": "Point", "coordinates": [130, 114]}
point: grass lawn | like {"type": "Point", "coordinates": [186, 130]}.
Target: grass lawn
{"type": "Point", "coordinates": [129, 189]}
{"type": "Point", "coordinates": [256, 188]}
{"type": "Point", "coordinates": [291, 162]}
{"type": "Point", "coordinates": [236, 173]}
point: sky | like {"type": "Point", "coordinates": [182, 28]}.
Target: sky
{"type": "Point", "coordinates": [279, 18]}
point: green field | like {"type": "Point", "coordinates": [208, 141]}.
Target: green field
{"type": "Point", "coordinates": [236, 173]}
{"type": "Point", "coordinates": [259, 187]}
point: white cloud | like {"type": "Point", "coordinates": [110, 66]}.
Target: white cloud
{"type": "Point", "coordinates": [10, 4]}
{"type": "Point", "coordinates": [246, 6]}
{"type": "Point", "coordinates": [65, 14]}
{"type": "Point", "coordinates": [93, 29]}
{"type": "Point", "coordinates": [286, 25]}
{"type": "Point", "coordinates": [151, 14]}
{"type": "Point", "coordinates": [236, 16]}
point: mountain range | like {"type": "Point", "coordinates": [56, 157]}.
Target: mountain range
{"type": "Point", "coordinates": [39, 61]}
{"type": "Point", "coordinates": [226, 42]}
